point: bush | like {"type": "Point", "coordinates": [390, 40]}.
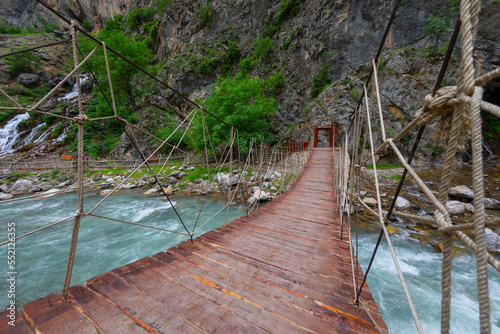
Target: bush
{"type": "Point", "coordinates": [26, 62]}
{"type": "Point", "coordinates": [435, 26]}
{"type": "Point", "coordinates": [50, 27]}
{"type": "Point", "coordinates": [288, 8]}
{"type": "Point", "coordinates": [321, 80]}
{"type": "Point", "coordinates": [208, 66]}
{"type": "Point", "coordinates": [14, 30]}
{"type": "Point", "coordinates": [139, 16]}
{"type": "Point", "coordinates": [57, 131]}
{"type": "Point", "coordinates": [206, 15]}
{"type": "Point", "coordinates": [241, 101]}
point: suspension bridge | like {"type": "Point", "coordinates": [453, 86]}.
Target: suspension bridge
{"type": "Point", "coordinates": [290, 265]}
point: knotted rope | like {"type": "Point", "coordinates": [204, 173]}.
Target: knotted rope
{"type": "Point", "coordinates": [81, 119]}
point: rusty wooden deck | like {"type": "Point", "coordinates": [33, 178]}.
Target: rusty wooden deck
{"type": "Point", "coordinates": [281, 269]}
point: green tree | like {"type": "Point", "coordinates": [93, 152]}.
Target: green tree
{"type": "Point", "coordinates": [437, 25]}
{"type": "Point", "coordinates": [26, 62]}
{"type": "Point", "coordinates": [321, 80]}
{"type": "Point", "coordinates": [240, 101]}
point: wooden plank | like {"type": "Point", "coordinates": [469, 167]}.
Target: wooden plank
{"type": "Point", "coordinates": [12, 323]}
{"type": "Point", "coordinates": [299, 303]}
{"type": "Point", "coordinates": [182, 301]}
{"type": "Point", "coordinates": [143, 309]}
{"type": "Point", "coordinates": [105, 316]}
{"type": "Point", "coordinates": [54, 314]}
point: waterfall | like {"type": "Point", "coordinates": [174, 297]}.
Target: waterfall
{"type": "Point", "coordinates": [44, 135]}
{"type": "Point", "coordinates": [487, 148]}
{"type": "Point", "coordinates": [9, 135]}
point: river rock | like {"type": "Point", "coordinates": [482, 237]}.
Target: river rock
{"type": "Point", "coordinates": [181, 175]}
{"type": "Point", "coordinates": [461, 192]}
{"type": "Point", "coordinates": [172, 179]}
{"type": "Point", "coordinates": [402, 203]}
{"type": "Point", "coordinates": [5, 196]}
{"type": "Point", "coordinates": [492, 241]}
{"type": "Point", "coordinates": [50, 193]}
{"type": "Point", "coordinates": [455, 207]}
{"type": "Point", "coordinates": [45, 186]}
{"type": "Point", "coordinates": [274, 189]}
{"type": "Point", "coordinates": [110, 180]}
{"type": "Point", "coordinates": [469, 207]}
{"type": "Point", "coordinates": [151, 191]}
{"type": "Point", "coordinates": [370, 201]}
{"type": "Point", "coordinates": [221, 177]}
{"type": "Point", "coordinates": [492, 204]}
{"type": "Point", "coordinates": [28, 80]}
{"type": "Point", "coordinates": [21, 185]}
{"type": "Point", "coordinates": [198, 181]}
{"type": "Point", "coordinates": [35, 189]}
{"type": "Point", "coordinates": [175, 173]}
{"type": "Point", "coordinates": [258, 195]}
{"type": "Point", "coordinates": [168, 191]}
{"type": "Point", "coordinates": [108, 191]}
{"type": "Point", "coordinates": [234, 180]}
{"type": "Point", "coordinates": [105, 186]}
{"type": "Point", "coordinates": [4, 188]}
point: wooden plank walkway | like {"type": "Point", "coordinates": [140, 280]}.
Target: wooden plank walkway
{"type": "Point", "coordinates": [281, 269]}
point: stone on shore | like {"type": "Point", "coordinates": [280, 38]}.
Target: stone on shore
{"type": "Point", "coordinates": [461, 192]}
{"type": "Point", "coordinates": [455, 207]}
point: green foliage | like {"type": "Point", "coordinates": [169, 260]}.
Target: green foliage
{"type": "Point", "coordinates": [57, 131]}
{"type": "Point", "coordinates": [231, 56]}
{"type": "Point", "coordinates": [287, 9]}
{"type": "Point", "coordinates": [241, 101]}
{"type": "Point", "coordinates": [163, 5]}
{"type": "Point", "coordinates": [321, 80]}
{"type": "Point", "coordinates": [26, 62]}
{"type": "Point", "coordinates": [86, 25]}
{"type": "Point", "coordinates": [262, 49]}
{"type": "Point", "coordinates": [206, 15]}
{"type": "Point", "coordinates": [50, 27]}
{"type": "Point", "coordinates": [208, 65]}
{"type": "Point", "coordinates": [355, 93]}
{"type": "Point", "coordinates": [6, 114]}
{"type": "Point", "coordinates": [14, 30]}
{"type": "Point", "coordinates": [139, 16]}
{"type": "Point", "coordinates": [435, 26]}
{"type": "Point", "coordinates": [387, 166]}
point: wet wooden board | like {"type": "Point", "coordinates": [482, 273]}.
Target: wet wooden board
{"type": "Point", "coordinates": [281, 269]}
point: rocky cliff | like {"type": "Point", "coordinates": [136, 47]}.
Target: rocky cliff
{"type": "Point", "coordinates": [306, 36]}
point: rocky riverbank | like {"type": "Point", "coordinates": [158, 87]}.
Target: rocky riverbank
{"type": "Point", "coordinates": [413, 201]}
{"type": "Point", "coordinates": [250, 185]}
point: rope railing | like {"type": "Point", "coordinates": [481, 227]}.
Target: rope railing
{"type": "Point", "coordinates": [459, 109]}
{"type": "Point", "coordinates": [259, 157]}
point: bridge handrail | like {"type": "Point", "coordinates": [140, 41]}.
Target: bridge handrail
{"type": "Point", "coordinates": [348, 166]}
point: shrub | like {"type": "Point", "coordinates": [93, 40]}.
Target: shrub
{"type": "Point", "coordinates": [206, 15]}
{"type": "Point", "coordinates": [57, 131]}
{"type": "Point", "coordinates": [355, 94]}
{"type": "Point", "coordinates": [139, 16]}
{"type": "Point", "coordinates": [50, 27]}
{"type": "Point", "coordinates": [321, 80]}
{"type": "Point", "coordinates": [435, 26]}
{"type": "Point", "coordinates": [23, 62]}
{"type": "Point", "coordinates": [288, 8]}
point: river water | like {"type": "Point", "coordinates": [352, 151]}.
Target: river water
{"type": "Point", "coordinates": [104, 245]}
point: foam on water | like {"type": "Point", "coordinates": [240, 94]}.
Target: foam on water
{"type": "Point", "coordinates": [102, 244]}
{"type": "Point", "coordinates": [421, 266]}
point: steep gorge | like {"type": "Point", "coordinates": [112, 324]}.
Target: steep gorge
{"type": "Point", "coordinates": [306, 37]}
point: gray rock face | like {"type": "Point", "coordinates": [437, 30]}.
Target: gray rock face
{"type": "Point", "coordinates": [28, 80]}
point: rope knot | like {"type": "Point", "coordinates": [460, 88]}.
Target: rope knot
{"type": "Point", "coordinates": [444, 103]}
{"type": "Point", "coordinates": [81, 119]}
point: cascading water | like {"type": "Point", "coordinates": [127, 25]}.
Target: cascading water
{"type": "Point", "coordinates": [9, 134]}
{"type": "Point", "coordinates": [10, 138]}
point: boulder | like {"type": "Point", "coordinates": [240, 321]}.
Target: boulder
{"type": "Point", "coordinates": [175, 173]}
{"type": "Point", "coordinates": [469, 207]}
{"type": "Point", "coordinates": [28, 80]}
{"type": "Point", "coordinates": [260, 195]}
{"type": "Point", "coordinates": [461, 192]}
{"type": "Point", "coordinates": [233, 180]}
{"type": "Point", "coordinates": [370, 201]}
{"type": "Point", "coordinates": [21, 185]}
{"type": "Point", "coordinates": [110, 180]}
{"type": "Point", "coordinates": [492, 241]}
{"type": "Point", "coordinates": [168, 191]}
{"type": "Point", "coordinates": [105, 186]}
{"type": "Point", "coordinates": [402, 203]}
{"type": "Point", "coordinates": [492, 204]}
{"type": "Point", "coordinates": [45, 186]}
{"type": "Point", "coordinates": [5, 196]}
{"type": "Point", "coordinates": [455, 207]}
{"type": "Point", "coordinates": [50, 193]}
{"type": "Point", "coordinates": [5, 188]}
{"type": "Point", "coordinates": [172, 179]}
{"type": "Point", "coordinates": [151, 191]}
{"type": "Point", "coordinates": [108, 191]}
{"type": "Point", "coordinates": [274, 189]}
{"type": "Point", "coordinates": [181, 175]}
{"type": "Point", "coordinates": [35, 189]}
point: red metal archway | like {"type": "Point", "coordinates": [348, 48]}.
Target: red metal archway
{"type": "Point", "coordinates": [333, 134]}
